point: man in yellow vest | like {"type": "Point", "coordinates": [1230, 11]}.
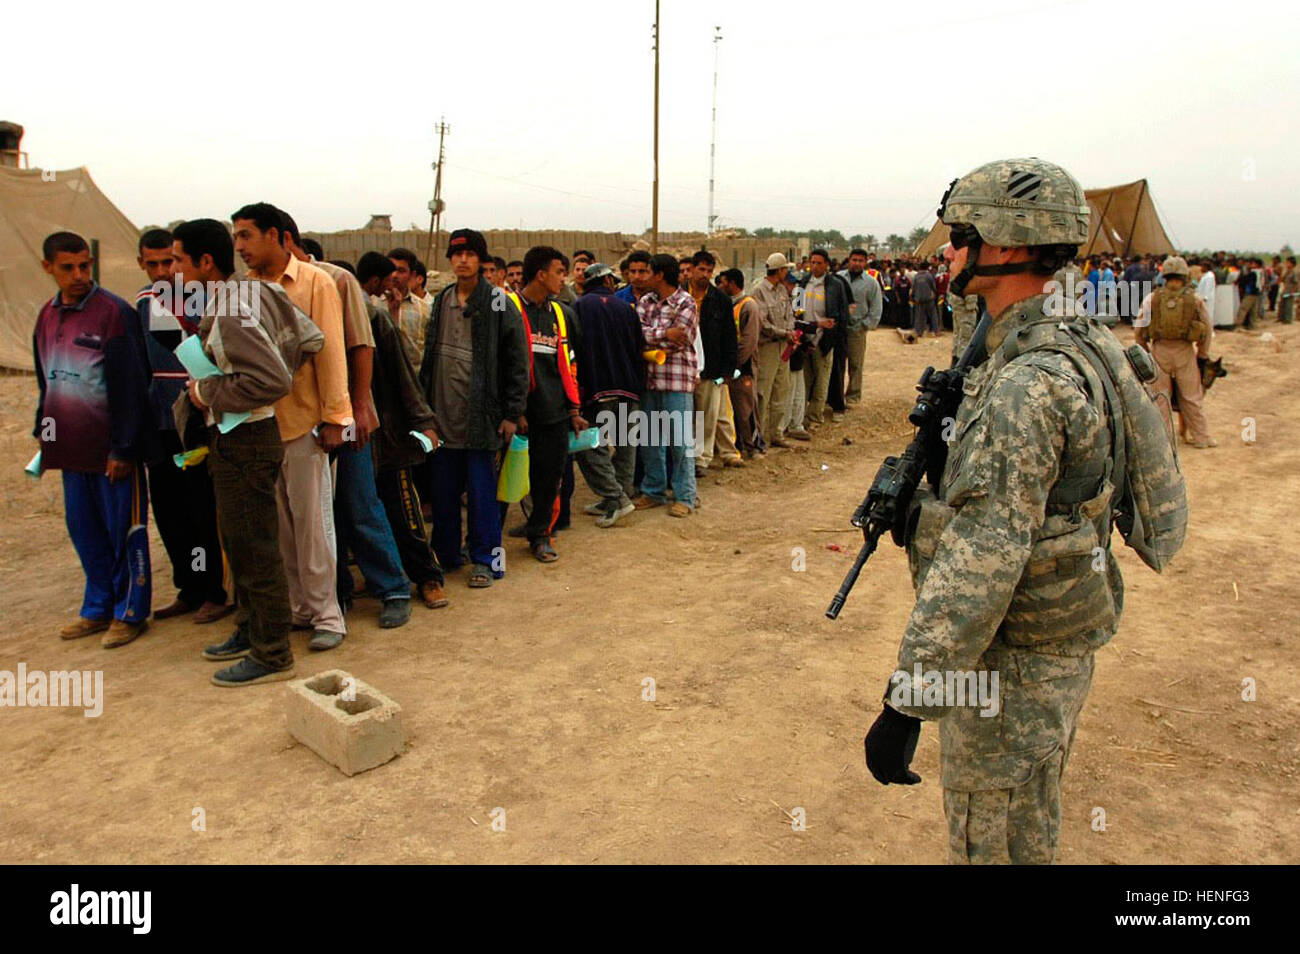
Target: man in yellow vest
{"type": "Point", "coordinates": [1174, 325]}
{"type": "Point", "coordinates": [554, 408]}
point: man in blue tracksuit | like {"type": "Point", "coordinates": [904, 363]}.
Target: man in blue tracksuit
{"type": "Point", "coordinates": [92, 424]}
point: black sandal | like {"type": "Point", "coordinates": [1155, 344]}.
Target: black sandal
{"type": "Point", "coordinates": [544, 552]}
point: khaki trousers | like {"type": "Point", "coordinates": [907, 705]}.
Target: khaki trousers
{"type": "Point", "coordinates": [304, 499]}
{"type": "Point", "coordinates": [1176, 361]}
{"type": "Point", "coordinates": [773, 388]}
{"type": "Point", "coordinates": [1246, 310]}
{"type": "Point", "coordinates": [791, 418]}
{"type": "Point", "coordinates": [726, 436]}
{"type": "Point", "coordinates": [708, 400]}
{"type": "Point", "coordinates": [817, 369]}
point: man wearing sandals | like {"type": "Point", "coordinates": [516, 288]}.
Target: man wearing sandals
{"type": "Point", "coordinates": [554, 406]}
{"type": "Point", "coordinates": [474, 375]}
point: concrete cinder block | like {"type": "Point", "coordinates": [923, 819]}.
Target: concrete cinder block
{"type": "Point", "coordinates": [348, 723]}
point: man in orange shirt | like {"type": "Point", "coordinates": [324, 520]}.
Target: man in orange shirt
{"type": "Point", "coordinates": [314, 417]}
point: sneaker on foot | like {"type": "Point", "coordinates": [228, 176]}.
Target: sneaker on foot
{"type": "Point", "coordinates": [614, 514]}
{"type": "Point", "coordinates": [323, 639]}
{"type": "Point", "coordinates": [594, 509]}
{"type": "Point", "coordinates": [120, 632]}
{"type": "Point", "coordinates": [837, 417]}
{"type": "Point", "coordinates": [233, 648]}
{"type": "Point", "coordinates": [394, 613]}
{"type": "Point", "coordinates": [249, 672]}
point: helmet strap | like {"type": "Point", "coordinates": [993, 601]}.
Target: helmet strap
{"type": "Point", "coordinates": [971, 269]}
{"type": "Point", "coordinates": [958, 285]}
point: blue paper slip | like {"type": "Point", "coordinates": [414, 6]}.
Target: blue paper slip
{"type": "Point", "coordinates": [190, 353]}
{"type": "Point", "coordinates": [33, 468]}
{"type": "Point", "coordinates": [587, 440]}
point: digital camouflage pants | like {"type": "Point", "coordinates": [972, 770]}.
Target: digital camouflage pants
{"type": "Point", "coordinates": [1002, 774]}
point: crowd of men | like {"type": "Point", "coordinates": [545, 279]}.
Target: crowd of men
{"type": "Point", "coordinates": [315, 414]}
{"type": "Point", "coordinates": [350, 415]}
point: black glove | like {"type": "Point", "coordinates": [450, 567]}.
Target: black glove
{"type": "Point", "coordinates": [890, 745]}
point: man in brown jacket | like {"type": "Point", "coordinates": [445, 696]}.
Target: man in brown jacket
{"type": "Point", "coordinates": [238, 332]}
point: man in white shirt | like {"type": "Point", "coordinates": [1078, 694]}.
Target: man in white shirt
{"type": "Point", "coordinates": [1205, 288]}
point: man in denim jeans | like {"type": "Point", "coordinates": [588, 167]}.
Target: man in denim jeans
{"type": "Point", "coordinates": [669, 320]}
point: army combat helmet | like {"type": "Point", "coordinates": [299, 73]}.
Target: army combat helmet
{"type": "Point", "coordinates": [1013, 203]}
{"type": "Point", "coordinates": [1175, 266]}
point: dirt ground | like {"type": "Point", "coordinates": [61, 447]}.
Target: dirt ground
{"type": "Point", "coordinates": [528, 696]}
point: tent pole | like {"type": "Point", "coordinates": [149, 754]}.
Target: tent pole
{"type": "Point", "coordinates": [1128, 241]}
{"type": "Point", "coordinates": [1100, 219]}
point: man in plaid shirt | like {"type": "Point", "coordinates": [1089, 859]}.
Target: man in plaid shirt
{"type": "Point", "coordinates": [669, 320]}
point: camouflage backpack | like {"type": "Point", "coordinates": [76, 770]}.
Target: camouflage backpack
{"type": "Point", "coordinates": [1150, 501]}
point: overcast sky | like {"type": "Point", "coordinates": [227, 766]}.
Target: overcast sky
{"type": "Point", "coordinates": [844, 121]}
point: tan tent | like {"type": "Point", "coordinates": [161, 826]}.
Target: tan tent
{"type": "Point", "coordinates": [32, 205]}
{"type": "Point", "coordinates": [1123, 222]}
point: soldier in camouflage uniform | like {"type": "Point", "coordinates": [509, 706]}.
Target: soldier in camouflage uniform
{"type": "Point", "coordinates": [1012, 560]}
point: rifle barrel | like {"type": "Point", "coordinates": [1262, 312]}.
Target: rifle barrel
{"type": "Point", "coordinates": [868, 548]}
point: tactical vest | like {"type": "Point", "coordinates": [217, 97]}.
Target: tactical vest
{"type": "Point", "coordinates": [1174, 315]}
{"type": "Point", "coordinates": [1071, 584]}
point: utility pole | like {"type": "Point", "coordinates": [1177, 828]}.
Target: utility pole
{"type": "Point", "coordinates": [436, 205]}
{"type": "Point", "coordinates": [654, 223]}
{"type": "Point", "coordinates": [713, 140]}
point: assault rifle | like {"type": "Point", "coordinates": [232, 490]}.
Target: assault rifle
{"type": "Point", "coordinates": [887, 502]}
